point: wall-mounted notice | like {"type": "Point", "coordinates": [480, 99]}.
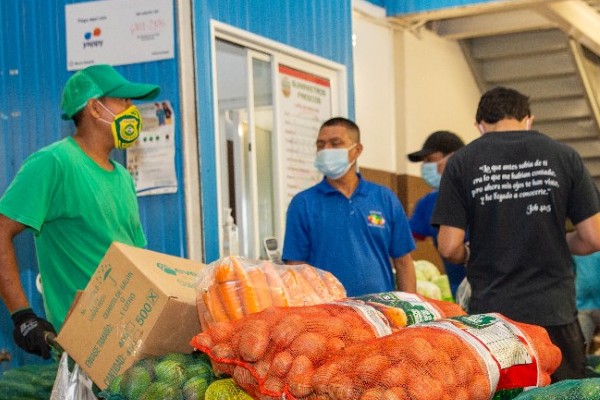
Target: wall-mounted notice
{"type": "Point", "coordinates": [118, 32]}
{"type": "Point", "coordinates": [305, 104]}
{"type": "Point", "coordinates": [151, 160]}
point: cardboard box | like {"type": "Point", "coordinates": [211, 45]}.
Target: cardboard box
{"type": "Point", "coordinates": [138, 303]}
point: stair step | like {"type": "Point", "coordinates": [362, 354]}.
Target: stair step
{"type": "Point", "coordinates": [561, 108]}
{"type": "Point", "coordinates": [518, 44]}
{"type": "Point", "coordinates": [544, 88]}
{"type": "Point", "coordinates": [530, 67]}
{"type": "Point", "coordinates": [585, 148]}
{"type": "Point", "coordinates": [565, 130]}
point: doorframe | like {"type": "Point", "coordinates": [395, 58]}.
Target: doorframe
{"type": "Point", "coordinates": [280, 53]}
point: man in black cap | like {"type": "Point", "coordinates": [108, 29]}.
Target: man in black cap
{"type": "Point", "coordinates": [75, 199]}
{"type": "Point", "coordinates": [435, 152]}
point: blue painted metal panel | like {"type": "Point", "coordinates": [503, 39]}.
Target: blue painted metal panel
{"type": "Point", "coordinates": [32, 74]}
{"type": "Point", "coordinates": [400, 7]}
{"type": "Point", "coordinates": [320, 27]}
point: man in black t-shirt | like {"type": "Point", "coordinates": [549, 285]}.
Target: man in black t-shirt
{"type": "Point", "coordinates": [513, 189]}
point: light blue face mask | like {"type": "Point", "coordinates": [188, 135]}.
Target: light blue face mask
{"type": "Point", "coordinates": [430, 174]}
{"type": "Point", "coordinates": [333, 163]}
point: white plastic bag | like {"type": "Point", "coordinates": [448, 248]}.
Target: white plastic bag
{"type": "Point", "coordinates": [71, 385]}
{"type": "Point", "coordinates": [463, 294]}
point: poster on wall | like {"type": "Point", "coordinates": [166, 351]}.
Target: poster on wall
{"type": "Point", "coordinates": [305, 105]}
{"type": "Point", "coordinates": [118, 32]}
{"type": "Point", "coordinates": [151, 160]}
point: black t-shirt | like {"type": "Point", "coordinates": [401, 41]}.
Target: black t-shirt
{"type": "Point", "coordinates": [513, 191]}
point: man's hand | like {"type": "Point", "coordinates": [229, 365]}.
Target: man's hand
{"type": "Point", "coordinates": [30, 332]}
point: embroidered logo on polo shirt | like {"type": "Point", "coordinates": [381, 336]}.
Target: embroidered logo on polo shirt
{"type": "Point", "coordinates": [376, 219]}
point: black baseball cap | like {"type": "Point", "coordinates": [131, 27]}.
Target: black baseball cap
{"type": "Point", "coordinates": [443, 141]}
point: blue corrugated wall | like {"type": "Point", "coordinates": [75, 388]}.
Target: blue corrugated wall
{"type": "Point", "coordinates": [321, 27]}
{"type": "Point", "coordinates": [399, 7]}
{"type": "Point", "coordinates": [32, 73]}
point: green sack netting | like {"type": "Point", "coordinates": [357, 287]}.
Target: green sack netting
{"type": "Point", "coordinates": [32, 382]}
{"type": "Point", "coordinates": [174, 376]}
{"type": "Point", "coordinates": [571, 389]}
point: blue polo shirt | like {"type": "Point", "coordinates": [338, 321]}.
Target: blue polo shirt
{"type": "Point", "coordinates": [355, 238]}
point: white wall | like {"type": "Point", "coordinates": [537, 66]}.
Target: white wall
{"type": "Point", "coordinates": [440, 92]}
{"type": "Point", "coordinates": [374, 93]}
{"type": "Point", "coordinates": [408, 85]}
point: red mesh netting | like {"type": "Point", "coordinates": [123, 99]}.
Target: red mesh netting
{"type": "Point", "coordinates": [331, 351]}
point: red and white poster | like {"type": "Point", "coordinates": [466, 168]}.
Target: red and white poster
{"type": "Point", "coordinates": [305, 101]}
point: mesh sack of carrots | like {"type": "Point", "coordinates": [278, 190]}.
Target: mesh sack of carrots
{"type": "Point", "coordinates": [232, 287]}
{"type": "Point", "coordinates": [467, 358]}
{"type": "Point", "coordinates": [264, 351]}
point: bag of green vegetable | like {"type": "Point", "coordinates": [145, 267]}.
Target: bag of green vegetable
{"type": "Point", "coordinates": [225, 389]}
{"type": "Point", "coordinates": [571, 389]}
{"type": "Point", "coordinates": [431, 283]}
{"type": "Point", "coordinates": [174, 376]}
{"type": "Point", "coordinates": [32, 381]}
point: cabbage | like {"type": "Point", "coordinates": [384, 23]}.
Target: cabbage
{"type": "Point", "coordinates": [426, 270]}
{"type": "Point", "coordinates": [429, 289]}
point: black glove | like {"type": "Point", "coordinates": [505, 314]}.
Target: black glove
{"type": "Point", "coordinates": [30, 332]}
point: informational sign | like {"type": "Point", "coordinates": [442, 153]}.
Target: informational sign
{"type": "Point", "coordinates": [305, 104]}
{"type": "Point", "coordinates": [118, 32]}
{"type": "Point", "coordinates": [151, 160]}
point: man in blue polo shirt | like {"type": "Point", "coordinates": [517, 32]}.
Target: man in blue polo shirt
{"type": "Point", "coordinates": [353, 228]}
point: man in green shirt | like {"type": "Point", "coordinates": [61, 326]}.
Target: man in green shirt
{"type": "Point", "coordinates": [76, 200]}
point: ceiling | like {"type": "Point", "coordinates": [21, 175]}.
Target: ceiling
{"type": "Point", "coordinates": [580, 19]}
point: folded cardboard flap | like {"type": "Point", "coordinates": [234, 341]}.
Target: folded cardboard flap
{"type": "Point", "coordinates": [137, 303]}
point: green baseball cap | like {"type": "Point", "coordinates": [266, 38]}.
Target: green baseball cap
{"type": "Point", "coordinates": [101, 81]}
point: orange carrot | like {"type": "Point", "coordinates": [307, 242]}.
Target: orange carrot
{"type": "Point", "coordinates": [336, 289]}
{"type": "Point", "coordinates": [213, 304]}
{"type": "Point", "coordinates": [203, 313]}
{"type": "Point", "coordinates": [314, 279]}
{"type": "Point", "coordinates": [261, 286]}
{"type": "Point", "coordinates": [231, 299]}
{"type": "Point", "coordinates": [279, 293]}
{"type": "Point", "coordinates": [301, 292]}
{"type": "Point", "coordinates": [247, 291]}
{"type": "Point", "coordinates": [224, 272]}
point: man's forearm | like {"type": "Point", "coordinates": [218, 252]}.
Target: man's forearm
{"type": "Point", "coordinates": [406, 278]}
{"type": "Point", "coordinates": [11, 289]}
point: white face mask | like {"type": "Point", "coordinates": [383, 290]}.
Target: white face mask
{"type": "Point", "coordinates": [334, 163]}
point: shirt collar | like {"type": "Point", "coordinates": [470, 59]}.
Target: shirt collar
{"type": "Point", "coordinates": [325, 188]}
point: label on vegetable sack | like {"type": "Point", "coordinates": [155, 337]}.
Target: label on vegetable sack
{"type": "Point", "coordinates": [414, 306]}
{"type": "Point", "coordinates": [505, 350]}
{"type": "Point", "coordinates": [378, 322]}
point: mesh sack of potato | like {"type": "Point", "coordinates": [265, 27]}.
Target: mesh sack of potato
{"type": "Point", "coordinates": [467, 358]}
{"type": "Point", "coordinates": [264, 351]}
{"type": "Point", "coordinates": [232, 287]}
